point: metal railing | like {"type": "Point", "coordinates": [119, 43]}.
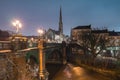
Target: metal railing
{"type": "Point", "coordinates": [4, 45]}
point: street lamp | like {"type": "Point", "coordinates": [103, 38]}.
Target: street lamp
{"type": "Point", "coordinates": [17, 24]}
{"type": "Point", "coordinates": [41, 32]}
{"type": "Point", "coordinates": [43, 74]}
{"type": "Point", "coordinates": [17, 38]}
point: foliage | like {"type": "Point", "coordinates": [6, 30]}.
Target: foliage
{"type": "Point", "coordinates": [4, 33]}
{"type": "Point", "coordinates": [16, 68]}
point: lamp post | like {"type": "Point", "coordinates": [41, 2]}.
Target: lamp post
{"type": "Point", "coordinates": [16, 38]}
{"type": "Point", "coordinates": [18, 25]}
{"type": "Point", "coordinates": [43, 74]}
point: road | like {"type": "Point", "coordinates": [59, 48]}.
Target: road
{"type": "Point", "coordinates": [72, 72]}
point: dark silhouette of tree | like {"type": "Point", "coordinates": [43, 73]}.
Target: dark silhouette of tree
{"type": "Point", "coordinates": [93, 43]}
{"type": "Point", "coordinates": [4, 35]}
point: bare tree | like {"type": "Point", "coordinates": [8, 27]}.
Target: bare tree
{"type": "Point", "coordinates": [93, 44]}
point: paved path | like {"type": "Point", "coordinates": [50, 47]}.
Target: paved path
{"type": "Point", "coordinates": [72, 72]}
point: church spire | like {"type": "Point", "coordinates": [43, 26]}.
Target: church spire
{"type": "Point", "coordinates": [60, 22]}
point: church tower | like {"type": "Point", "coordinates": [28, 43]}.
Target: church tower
{"type": "Point", "coordinates": [60, 22]}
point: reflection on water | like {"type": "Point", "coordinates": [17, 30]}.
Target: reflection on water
{"type": "Point", "coordinates": [67, 72]}
{"type": "Point", "coordinates": [72, 72]}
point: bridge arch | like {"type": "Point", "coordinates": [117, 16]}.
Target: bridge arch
{"type": "Point", "coordinates": [55, 56]}
{"type": "Point", "coordinates": [32, 61]}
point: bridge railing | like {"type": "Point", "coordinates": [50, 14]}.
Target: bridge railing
{"type": "Point", "coordinates": [4, 45]}
{"type": "Point", "coordinates": [47, 49]}
{"type": "Point", "coordinates": [20, 46]}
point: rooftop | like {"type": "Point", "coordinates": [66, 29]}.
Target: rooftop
{"type": "Point", "coordinates": [100, 31]}
{"type": "Point", "coordinates": [55, 31]}
{"type": "Point", "coordinates": [113, 33]}
{"type": "Point", "coordinates": [83, 27]}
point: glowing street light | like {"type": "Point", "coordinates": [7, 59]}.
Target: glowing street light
{"type": "Point", "coordinates": [17, 24]}
{"type": "Point", "coordinates": [41, 32]}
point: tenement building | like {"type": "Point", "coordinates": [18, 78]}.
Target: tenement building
{"type": "Point", "coordinates": [113, 44]}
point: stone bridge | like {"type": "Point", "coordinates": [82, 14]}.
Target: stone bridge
{"type": "Point", "coordinates": [54, 52]}
{"type": "Point", "coordinates": [39, 53]}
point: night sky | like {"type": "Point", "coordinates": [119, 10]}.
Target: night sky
{"type": "Point", "coordinates": [35, 14]}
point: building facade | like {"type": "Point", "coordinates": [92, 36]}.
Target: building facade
{"type": "Point", "coordinates": [78, 31]}
{"type": "Point", "coordinates": [113, 44]}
